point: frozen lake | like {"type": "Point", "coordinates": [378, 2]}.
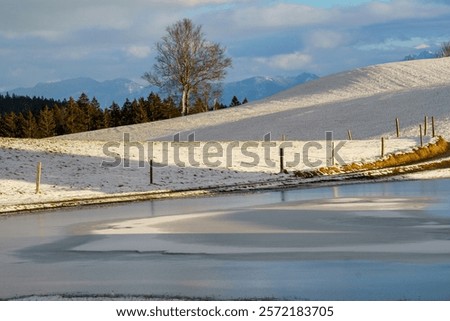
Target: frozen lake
{"type": "Point", "coordinates": [382, 241]}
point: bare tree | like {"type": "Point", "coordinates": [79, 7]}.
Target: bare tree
{"type": "Point", "coordinates": [186, 62]}
{"type": "Point", "coordinates": [445, 49]}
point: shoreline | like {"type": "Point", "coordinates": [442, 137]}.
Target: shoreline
{"type": "Point", "coordinates": [255, 187]}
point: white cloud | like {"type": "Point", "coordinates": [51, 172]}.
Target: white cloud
{"type": "Point", "coordinates": [377, 12]}
{"type": "Point", "coordinates": [325, 39]}
{"type": "Point", "coordinates": [395, 43]}
{"type": "Point", "coordinates": [290, 61]}
{"type": "Point", "coordinates": [139, 51]}
{"type": "Point", "coordinates": [279, 16]}
{"type": "Point", "coordinates": [44, 17]}
{"type": "Point", "coordinates": [203, 2]}
{"type": "Point", "coordinates": [422, 46]}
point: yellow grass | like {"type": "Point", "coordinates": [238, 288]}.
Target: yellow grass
{"type": "Point", "coordinates": [433, 150]}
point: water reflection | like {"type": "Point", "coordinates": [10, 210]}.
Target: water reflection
{"type": "Point", "coordinates": [54, 252]}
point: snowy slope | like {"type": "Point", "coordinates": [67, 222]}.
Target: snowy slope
{"type": "Point", "coordinates": [365, 101]}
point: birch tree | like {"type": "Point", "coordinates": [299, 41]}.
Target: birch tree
{"type": "Point", "coordinates": [186, 61]}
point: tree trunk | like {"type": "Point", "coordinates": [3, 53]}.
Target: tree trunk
{"type": "Point", "coordinates": [184, 102]}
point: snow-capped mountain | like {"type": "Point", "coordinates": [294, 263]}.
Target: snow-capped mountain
{"type": "Point", "coordinates": [105, 92]}
{"type": "Point", "coordinates": [426, 54]}
{"type": "Point", "coordinates": [118, 90]}
{"type": "Point", "coordinates": [256, 88]}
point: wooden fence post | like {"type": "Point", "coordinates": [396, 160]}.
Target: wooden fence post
{"type": "Point", "coordinates": [38, 177]}
{"type": "Point", "coordinates": [421, 136]}
{"type": "Point", "coordinates": [332, 154]}
{"type": "Point", "coordinates": [433, 132]}
{"type": "Point", "coordinates": [425, 121]}
{"type": "Point", "coordinates": [382, 147]}
{"type": "Point", "coordinates": [151, 171]}
{"type": "Point", "coordinates": [281, 160]}
{"type": "Point", "coordinates": [349, 134]}
{"type": "Point", "coordinates": [397, 126]}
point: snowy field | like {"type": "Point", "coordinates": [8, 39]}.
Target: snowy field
{"type": "Point", "coordinates": [230, 147]}
{"type": "Point", "coordinates": [365, 101]}
{"type": "Point", "coordinates": [80, 169]}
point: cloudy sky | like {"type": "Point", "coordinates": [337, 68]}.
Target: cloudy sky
{"type": "Point", "coordinates": [49, 40]}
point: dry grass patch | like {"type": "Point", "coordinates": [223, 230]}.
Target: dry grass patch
{"type": "Point", "coordinates": [420, 154]}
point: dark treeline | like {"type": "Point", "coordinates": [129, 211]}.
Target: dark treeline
{"type": "Point", "coordinates": [18, 104]}
{"type": "Point", "coordinates": [24, 117]}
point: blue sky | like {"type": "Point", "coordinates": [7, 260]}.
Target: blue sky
{"type": "Point", "coordinates": [50, 40]}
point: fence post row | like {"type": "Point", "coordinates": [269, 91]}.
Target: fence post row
{"type": "Point", "coordinates": [281, 150]}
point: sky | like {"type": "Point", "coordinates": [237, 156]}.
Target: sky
{"type": "Point", "coordinates": [51, 40]}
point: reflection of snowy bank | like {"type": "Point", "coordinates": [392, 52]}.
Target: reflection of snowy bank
{"type": "Point", "coordinates": [223, 223]}
{"type": "Point", "coordinates": [354, 227]}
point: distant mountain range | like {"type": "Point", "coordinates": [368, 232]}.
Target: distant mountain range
{"type": "Point", "coordinates": [118, 90]}
{"type": "Point", "coordinates": [105, 92]}
{"type": "Point", "coordinates": [426, 54]}
{"type": "Point", "coordinates": [256, 88]}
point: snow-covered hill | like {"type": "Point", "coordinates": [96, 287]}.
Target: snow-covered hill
{"type": "Point", "coordinates": [365, 101]}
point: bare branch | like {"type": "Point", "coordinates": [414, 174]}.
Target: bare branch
{"type": "Point", "coordinates": [187, 63]}
{"type": "Point", "coordinates": [445, 49]}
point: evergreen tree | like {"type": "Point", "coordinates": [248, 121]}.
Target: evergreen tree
{"type": "Point", "coordinates": [85, 116]}
{"type": "Point", "coordinates": [154, 107]}
{"type": "Point", "coordinates": [107, 119]}
{"type": "Point", "coordinates": [170, 109]}
{"type": "Point", "coordinates": [21, 124]}
{"type": "Point", "coordinates": [138, 113]}
{"type": "Point", "coordinates": [245, 101]}
{"type": "Point", "coordinates": [116, 115]}
{"type": "Point", "coordinates": [30, 128]}
{"type": "Point", "coordinates": [127, 113]}
{"type": "Point", "coordinates": [59, 118]}
{"type": "Point", "coordinates": [27, 126]}
{"type": "Point", "coordinates": [235, 102]}
{"type": "Point", "coordinates": [46, 123]}
{"type": "Point", "coordinates": [98, 118]}
{"type": "Point", "coordinates": [198, 107]}
{"type": "Point", "coordinates": [74, 120]}
{"type": "Point", "coordinates": [22, 104]}
{"type": "Point", "coordinates": [9, 127]}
